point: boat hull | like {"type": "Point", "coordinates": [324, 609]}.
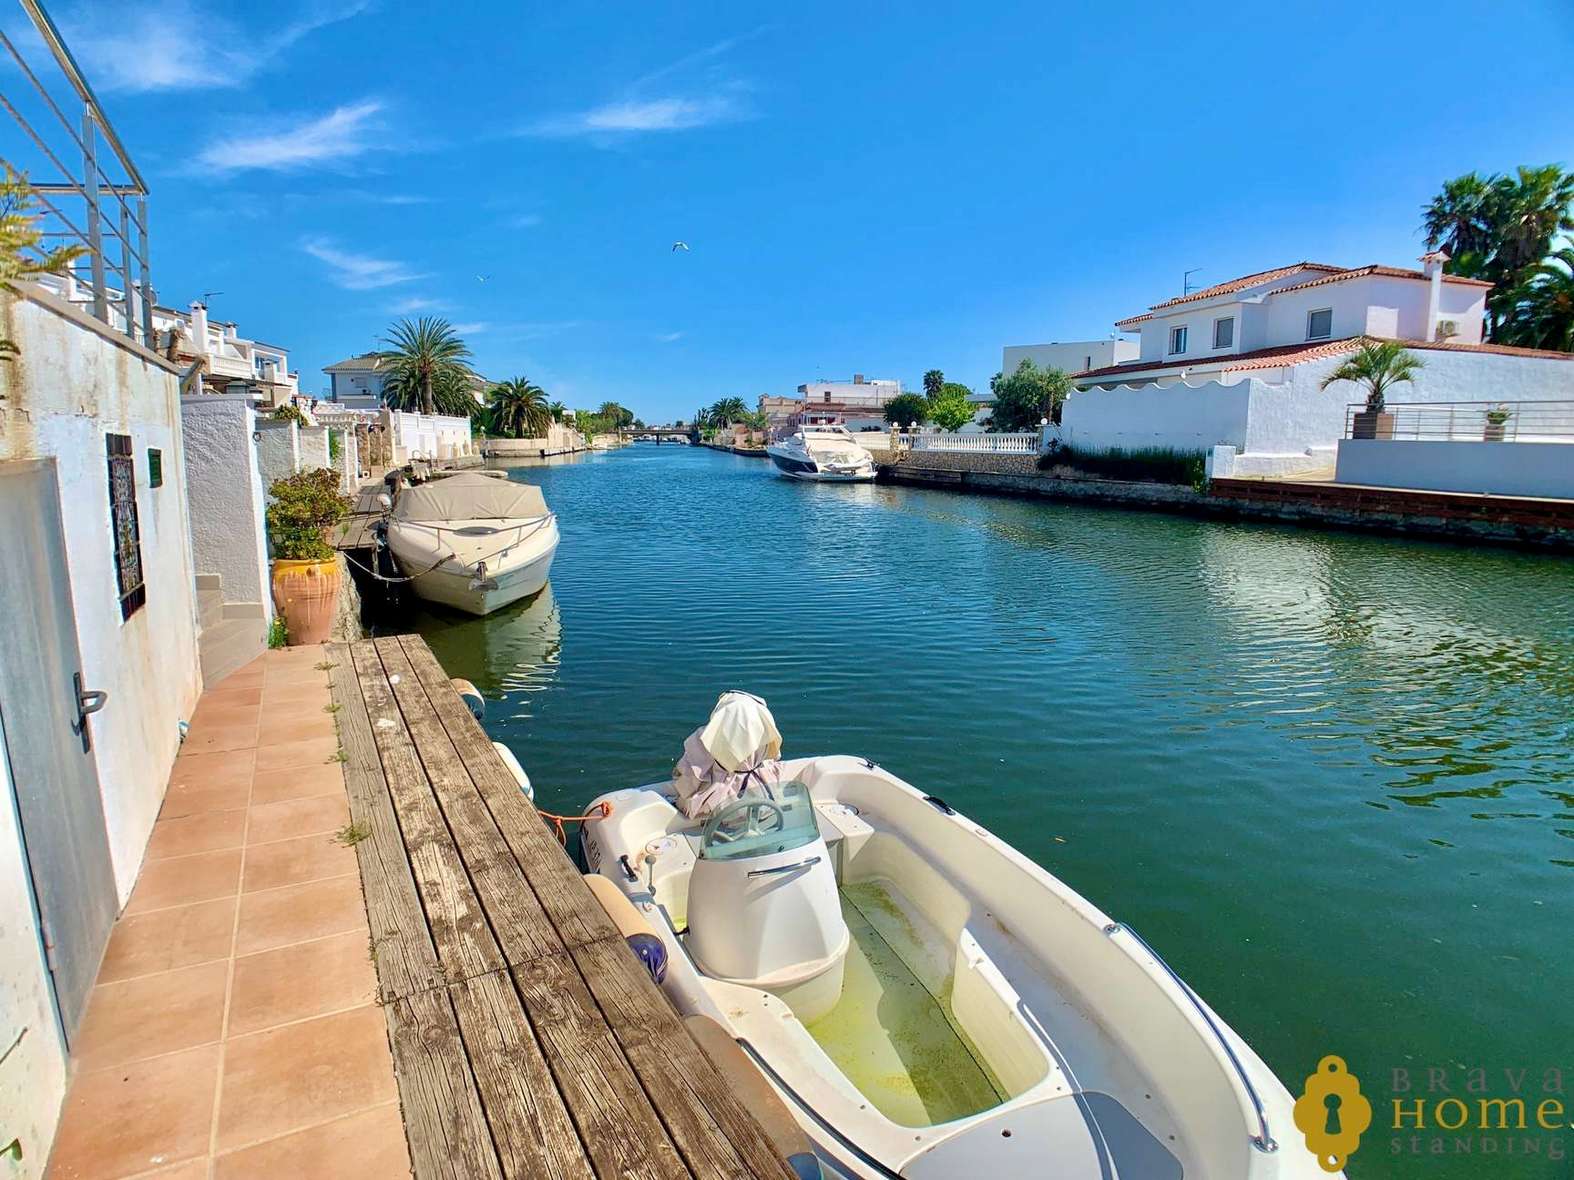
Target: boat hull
{"type": "Point", "coordinates": [454, 585]}
{"type": "Point", "coordinates": [795, 467]}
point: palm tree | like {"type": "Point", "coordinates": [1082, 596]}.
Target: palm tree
{"type": "Point", "coordinates": [428, 362]}
{"type": "Point", "coordinates": [20, 255]}
{"type": "Point", "coordinates": [1538, 205]}
{"type": "Point", "coordinates": [1541, 311]}
{"type": "Point", "coordinates": [558, 411]}
{"type": "Point", "coordinates": [728, 410]}
{"type": "Point", "coordinates": [617, 417]}
{"type": "Point", "coordinates": [519, 409]}
{"type": "Point", "coordinates": [1377, 365]}
{"type": "Point", "coordinates": [1459, 220]}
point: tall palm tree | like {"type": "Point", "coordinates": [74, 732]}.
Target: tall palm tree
{"type": "Point", "coordinates": [728, 410]}
{"type": "Point", "coordinates": [617, 416]}
{"type": "Point", "coordinates": [1378, 365]}
{"type": "Point", "coordinates": [558, 411]}
{"type": "Point", "coordinates": [428, 361]}
{"type": "Point", "coordinates": [1538, 205]}
{"type": "Point", "coordinates": [519, 409]}
{"type": "Point", "coordinates": [1459, 220]}
{"type": "Point", "coordinates": [1542, 307]}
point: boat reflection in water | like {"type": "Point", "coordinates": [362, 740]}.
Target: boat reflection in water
{"type": "Point", "coordinates": [512, 650]}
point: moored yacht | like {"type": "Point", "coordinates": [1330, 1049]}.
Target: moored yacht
{"type": "Point", "coordinates": [826, 453]}
{"type": "Point", "coordinates": [927, 1001]}
{"type": "Point", "coordinates": [473, 541]}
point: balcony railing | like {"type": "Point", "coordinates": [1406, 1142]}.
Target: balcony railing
{"type": "Point", "coordinates": [1518, 421]}
{"type": "Point", "coordinates": [983, 444]}
{"type": "Point", "coordinates": [89, 190]}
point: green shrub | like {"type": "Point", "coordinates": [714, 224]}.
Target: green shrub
{"type": "Point", "coordinates": [289, 412]}
{"type": "Point", "coordinates": [1145, 464]}
{"type": "Point", "coordinates": [304, 506]}
{"type": "Point", "coordinates": [278, 634]}
{"type": "Point", "coordinates": [907, 407]}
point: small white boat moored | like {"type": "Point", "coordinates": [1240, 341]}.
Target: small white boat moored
{"type": "Point", "coordinates": [927, 1001]}
{"type": "Point", "coordinates": [472, 541]}
{"type": "Point", "coordinates": [828, 454]}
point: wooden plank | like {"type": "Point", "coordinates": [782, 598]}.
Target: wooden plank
{"type": "Point", "coordinates": [401, 943]}
{"type": "Point", "coordinates": [621, 1132]}
{"type": "Point", "coordinates": [557, 883]}
{"type": "Point", "coordinates": [531, 1127]}
{"type": "Point", "coordinates": [444, 1124]}
{"type": "Point", "coordinates": [464, 941]}
{"type": "Point", "coordinates": [714, 1131]}
{"type": "Point", "coordinates": [517, 920]}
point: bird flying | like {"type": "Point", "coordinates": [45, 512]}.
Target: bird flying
{"type": "Point", "coordinates": [676, 246]}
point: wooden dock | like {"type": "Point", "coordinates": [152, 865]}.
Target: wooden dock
{"type": "Point", "coordinates": [528, 1040]}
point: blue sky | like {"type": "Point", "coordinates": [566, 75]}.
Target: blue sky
{"type": "Point", "coordinates": [873, 188]}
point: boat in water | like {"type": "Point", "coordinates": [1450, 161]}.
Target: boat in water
{"type": "Point", "coordinates": [829, 454]}
{"type": "Point", "coordinates": [927, 1001]}
{"type": "Point", "coordinates": [473, 541]}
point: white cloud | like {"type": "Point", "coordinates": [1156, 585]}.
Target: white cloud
{"type": "Point", "coordinates": [340, 134]}
{"type": "Point", "coordinates": [669, 337]}
{"type": "Point", "coordinates": [472, 329]}
{"type": "Point", "coordinates": [417, 303]}
{"type": "Point", "coordinates": [638, 116]}
{"type": "Point", "coordinates": [178, 46]}
{"type": "Point", "coordinates": [358, 272]}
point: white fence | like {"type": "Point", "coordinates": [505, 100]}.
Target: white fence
{"type": "Point", "coordinates": [429, 436]}
{"type": "Point", "coordinates": [986, 444]}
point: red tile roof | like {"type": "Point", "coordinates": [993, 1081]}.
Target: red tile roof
{"type": "Point", "coordinates": [1295, 354]}
{"type": "Point", "coordinates": [1331, 274]}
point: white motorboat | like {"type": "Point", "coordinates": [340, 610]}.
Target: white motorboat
{"type": "Point", "coordinates": [473, 541]}
{"type": "Point", "coordinates": [927, 1001]}
{"type": "Point", "coordinates": [829, 454]}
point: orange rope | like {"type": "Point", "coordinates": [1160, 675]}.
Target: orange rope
{"type": "Point", "coordinates": [600, 811]}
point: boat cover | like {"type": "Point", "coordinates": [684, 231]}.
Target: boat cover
{"type": "Point", "coordinates": [470, 496]}
{"type": "Point", "coordinates": [738, 747]}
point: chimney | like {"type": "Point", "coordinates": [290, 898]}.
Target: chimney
{"type": "Point", "coordinates": [199, 327]}
{"type": "Point", "coordinates": [858, 378]}
{"type": "Point", "coordinates": [1432, 267]}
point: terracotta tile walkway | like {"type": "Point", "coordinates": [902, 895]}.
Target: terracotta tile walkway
{"type": "Point", "coordinates": [232, 1033]}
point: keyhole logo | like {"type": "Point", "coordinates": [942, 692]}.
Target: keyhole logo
{"type": "Point", "coordinates": [1332, 1113]}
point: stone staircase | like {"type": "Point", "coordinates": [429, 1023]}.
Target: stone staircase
{"type": "Point", "coordinates": [232, 633]}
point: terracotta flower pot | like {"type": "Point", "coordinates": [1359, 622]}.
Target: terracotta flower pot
{"type": "Point", "coordinates": [306, 594]}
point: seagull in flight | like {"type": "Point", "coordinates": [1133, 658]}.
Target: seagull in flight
{"type": "Point", "coordinates": [482, 278]}
{"type": "Point", "coordinates": [676, 246]}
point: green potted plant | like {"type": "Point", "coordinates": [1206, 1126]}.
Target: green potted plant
{"type": "Point", "coordinates": [305, 578]}
{"type": "Point", "coordinates": [1377, 366]}
{"type": "Point", "coordinates": [1497, 418]}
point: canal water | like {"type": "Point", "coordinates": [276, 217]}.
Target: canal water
{"type": "Point", "coordinates": [1330, 777]}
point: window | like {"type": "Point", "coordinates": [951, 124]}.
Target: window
{"type": "Point", "coordinates": [1320, 323]}
{"type": "Point", "coordinates": [123, 521]}
{"type": "Point", "coordinates": [1177, 340]}
{"type": "Point", "coordinates": [155, 467]}
{"type": "Point", "coordinates": [1224, 332]}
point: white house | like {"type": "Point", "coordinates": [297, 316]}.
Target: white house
{"type": "Point", "coordinates": [357, 381]}
{"type": "Point", "coordinates": [858, 404]}
{"type": "Point", "coordinates": [1241, 364]}
{"type": "Point", "coordinates": [1074, 356]}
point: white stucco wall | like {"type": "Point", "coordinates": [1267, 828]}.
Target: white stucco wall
{"type": "Point", "coordinates": [1181, 416]}
{"type": "Point", "coordinates": [33, 1075]}
{"type": "Point", "coordinates": [1495, 468]}
{"type": "Point", "coordinates": [278, 451]}
{"type": "Point", "coordinates": [1448, 376]}
{"type": "Point", "coordinates": [228, 534]}
{"type": "Point", "coordinates": [348, 464]}
{"type": "Point", "coordinates": [429, 436]}
{"type": "Point", "coordinates": [75, 381]}
{"type": "Point", "coordinates": [1070, 356]}
{"type": "Point", "coordinates": [314, 448]}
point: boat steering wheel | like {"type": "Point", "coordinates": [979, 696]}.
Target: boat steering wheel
{"type": "Point", "coordinates": [759, 816]}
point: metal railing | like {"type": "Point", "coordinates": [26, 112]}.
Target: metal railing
{"type": "Point", "coordinates": [1518, 421]}
{"type": "Point", "coordinates": [89, 190]}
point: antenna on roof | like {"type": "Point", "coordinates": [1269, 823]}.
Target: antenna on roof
{"type": "Point", "coordinates": [1186, 280]}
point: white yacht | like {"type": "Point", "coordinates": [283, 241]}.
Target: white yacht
{"type": "Point", "coordinates": [827, 453]}
{"type": "Point", "coordinates": [473, 541]}
{"type": "Point", "coordinates": [927, 1001]}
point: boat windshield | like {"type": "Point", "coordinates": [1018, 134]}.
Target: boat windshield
{"type": "Point", "coordinates": [760, 822]}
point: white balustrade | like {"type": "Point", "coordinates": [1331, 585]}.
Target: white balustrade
{"type": "Point", "coordinates": [985, 444]}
